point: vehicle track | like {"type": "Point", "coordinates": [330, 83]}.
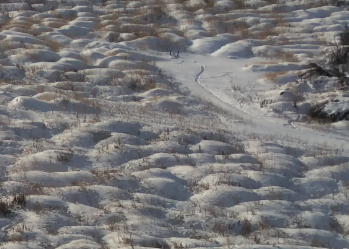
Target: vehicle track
{"type": "Point", "coordinates": [274, 128]}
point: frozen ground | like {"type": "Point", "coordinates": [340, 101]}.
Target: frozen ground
{"type": "Point", "coordinates": [170, 124]}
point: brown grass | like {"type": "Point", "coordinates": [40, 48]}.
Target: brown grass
{"type": "Point", "coordinates": [284, 56]}
{"type": "Point", "coordinates": [53, 45]}
{"type": "Point", "coordinates": [261, 35]}
{"type": "Point", "coordinates": [278, 19]}
{"type": "Point", "coordinates": [239, 27]}
{"type": "Point", "coordinates": [266, 63]}
{"type": "Point", "coordinates": [24, 25]}
{"type": "Point", "coordinates": [272, 76]}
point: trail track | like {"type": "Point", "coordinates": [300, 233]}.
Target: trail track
{"type": "Point", "coordinates": [262, 124]}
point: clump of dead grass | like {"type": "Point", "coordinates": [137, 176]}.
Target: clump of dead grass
{"type": "Point", "coordinates": [266, 63]}
{"type": "Point", "coordinates": [264, 34]}
{"type": "Point", "coordinates": [272, 76]}
{"type": "Point", "coordinates": [25, 25]}
{"type": "Point", "coordinates": [284, 56]}
{"type": "Point", "coordinates": [53, 45]}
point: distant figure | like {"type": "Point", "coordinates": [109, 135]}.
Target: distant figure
{"type": "Point", "coordinates": [174, 54]}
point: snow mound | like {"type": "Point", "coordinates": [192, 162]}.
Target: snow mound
{"type": "Point", "coordinates": [29, 103]}
{"type": "Point", "coordinates": [236, 50]}
{"type": "Point", "coordinates": [209, 45]}
{"type": "Point", "coordinates": [225, 196]}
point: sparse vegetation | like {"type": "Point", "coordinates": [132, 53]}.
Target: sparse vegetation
{"type": "Point", "coordinates": [272, 76]}
{"type": "Point", "coordinates": [146, 124]}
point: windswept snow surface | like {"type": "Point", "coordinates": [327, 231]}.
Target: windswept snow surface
{"type": "Point", "coordinates": [170, 124]}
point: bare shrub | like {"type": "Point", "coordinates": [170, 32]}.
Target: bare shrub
{"type": "Point", "coordinates": [177, 245]}
{"type": "Point", "coordinates": [19, 200]}
{"type": "Point", "coordinates": [4, 209]}
{"type": "Point", "coordinates": [126, 240]}
{"type": "Point", "coordinates": [246, 228]}
{"type": "Point", "coordinates": [314, 71]}
{"type": "Point", "coordinates": [316, 113]}
{"type": "Point", "coordinates": [139, 80]}
{"type": "Point", "coordinates": [64, 156]}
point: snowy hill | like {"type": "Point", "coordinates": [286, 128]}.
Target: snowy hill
{"type": "Point", "coordinates": [173, 124]}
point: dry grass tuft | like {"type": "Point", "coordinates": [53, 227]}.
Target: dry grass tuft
{"type": "Point", "coordinates": [264, 34]}
{"type": "Point", "coordinates": [24, 25]}
{"type": "Point", "coordinates": [272, 76]}
{"type": "Point", "coordinates": [284, 56]}
{"type": "Point", "coordinates": [266, 63]}
{"type": "Point", "coordinates": [53, 45]}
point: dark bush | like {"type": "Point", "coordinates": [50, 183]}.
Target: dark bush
{"type": "Point", "coordinates": [4, 209]}
{"type": "Point", "coordinates": [19, 200]}
{"type": "Point", "coordinates": [64, 156]}
{"type": "Point", "coordinates": [337, 65]}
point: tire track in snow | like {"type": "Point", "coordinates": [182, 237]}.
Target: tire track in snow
{"type": "Point", "coordinates": [259, 125]}
{"type": "Point", "coordinates": [197, 77]}
{"type": "Point", "coordinates": [284, 127]}
{"type": "Point", "coordinates": [197, 80]}
{"type": "Point", "coordinates": [214, 77]}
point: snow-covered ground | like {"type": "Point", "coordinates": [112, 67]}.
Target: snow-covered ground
{"type": "Point", "coordinates": [170, 124]}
